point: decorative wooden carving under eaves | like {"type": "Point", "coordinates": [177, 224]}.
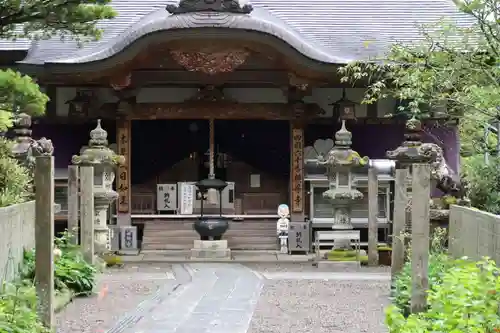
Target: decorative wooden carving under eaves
{"type": "Point", "coordinates": [222, 6]}
{"type": "Point", "coordinates": [210, 59]}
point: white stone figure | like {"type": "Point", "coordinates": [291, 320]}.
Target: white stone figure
{"type": "Point", "coordinates": [282, 227]}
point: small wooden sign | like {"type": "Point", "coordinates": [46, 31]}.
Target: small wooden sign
{"type": "Point", "coordinates": [297, 171]}
{"type": "Point", "coordinates": [187, 197]}
{"type": "Point", "coordinates": [166, 197]}
{"type": "Point", "coordinates": [123, 179]}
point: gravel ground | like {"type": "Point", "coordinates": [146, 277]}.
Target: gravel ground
{"type": "Point", "coordinates": [304, 306]}
{"type": "Point", "coordinates": [307, 267]}
{"type": "Point", "coordinates": [126, 288]}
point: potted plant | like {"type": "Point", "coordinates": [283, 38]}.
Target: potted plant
{"type": "Point", "coordinates": [384, 255]}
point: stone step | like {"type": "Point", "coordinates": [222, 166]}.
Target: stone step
{"type": "Point", "coordinates": [162, 235]}
{"type": "Point", "coordinates": [167, 246]}
{"type": "Point", "coordinates": [232, 225]}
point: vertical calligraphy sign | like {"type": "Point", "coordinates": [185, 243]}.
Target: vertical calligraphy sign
{"type": "Point", "coordinates": [297, 170]}
{"type": "Point", "coordinates": [123, 179]}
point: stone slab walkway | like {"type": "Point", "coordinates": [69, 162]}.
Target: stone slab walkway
{"type": "Point", "coordinates": [220, 298]}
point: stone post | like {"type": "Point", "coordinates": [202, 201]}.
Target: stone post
{"type": "Point", "coordinates": [340, 161]}
{"type": "Point", "coordinates": [373, 210]}
{"type": "Point", "coordinates": [104, 160]}
{"type": "Point", "coordinates": [87, 213]}
{"type": "Point", "coordinates": [44, 239]}
{"type": "Point", "coordinates": [73, 202]}
{"type": "Point", "coordinates": [399, 221]}
{"type": "Point", "coordinates": [421, 188]}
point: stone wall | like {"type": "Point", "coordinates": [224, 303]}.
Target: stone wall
{"type": "Point", "coordinates": [17, 232]}
{"type": "Point", "coordinates": [474, 233]}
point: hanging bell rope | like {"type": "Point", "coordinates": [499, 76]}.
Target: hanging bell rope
{"type": "Point", "coordinates": [212, 193]}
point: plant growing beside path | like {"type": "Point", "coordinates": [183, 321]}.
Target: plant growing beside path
{"type": "Point", "coordinates": [18, 300]}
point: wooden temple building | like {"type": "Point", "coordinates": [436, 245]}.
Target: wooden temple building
{"type": "Point", "coordinates": [258, 82]}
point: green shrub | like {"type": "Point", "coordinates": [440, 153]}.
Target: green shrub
{"type": "Point", "coordinates": [483, 182]}
{"type": "Point", "coordinates": [466, 300]}
{"type": "Point", "coordinates": [439, 264]}
{"type": "Point", "coordinates": [71, 270]}
{"type": "Point", "coordinates": [18, 309]}
{"type": "Point", "coordinates": [14, 178]}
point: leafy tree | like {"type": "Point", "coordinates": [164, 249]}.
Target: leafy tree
{"type": "Point", "coordinates": [454, 65]}
{"type": "Point", "coordinates": [42, 19]}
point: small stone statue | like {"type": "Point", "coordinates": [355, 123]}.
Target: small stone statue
{"type": "Point", "coordinates": [282, 227]}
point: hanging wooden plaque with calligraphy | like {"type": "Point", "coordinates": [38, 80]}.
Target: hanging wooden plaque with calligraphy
{"type": "Point", "coordinates": [123, 179]}
{"type": "Point", "coordinates": [297, 171]}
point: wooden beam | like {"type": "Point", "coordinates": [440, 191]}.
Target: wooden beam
{"type": "Point", "coordinates": [208, 110]}
{"type": "Point", "coordinates": [155, 77]}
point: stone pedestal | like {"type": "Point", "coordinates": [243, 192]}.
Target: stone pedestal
{"type": "Point", "coordinates": [210, 250]}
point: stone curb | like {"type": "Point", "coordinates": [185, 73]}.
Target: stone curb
{"type": "Point", "coordinates": [180, 260]}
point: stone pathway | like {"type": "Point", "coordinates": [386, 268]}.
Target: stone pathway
{"type": "Point", "coordinates": [218, 299]}
{"type": "Point", "coordinates": [232, 298]}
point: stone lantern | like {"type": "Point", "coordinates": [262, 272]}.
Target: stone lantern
{"type": "Point", "coordinates": [104, 160]}
{"type": "Point", "coordinates": [25, 148]}
{"type": "Point", "coordinates": [340, 162]}
{"type": "Point", "coordinates": [412, 150]}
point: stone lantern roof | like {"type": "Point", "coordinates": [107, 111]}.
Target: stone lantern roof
{"type": "Point", "coordinates": [341, 155]}
{"type": "Point", "coordinates": [98, 151]}
{"type": "Point", "coordinates": [411, 150]}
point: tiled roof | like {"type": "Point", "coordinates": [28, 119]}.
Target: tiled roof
{"type": "Point", "coordinates": [332, 31]}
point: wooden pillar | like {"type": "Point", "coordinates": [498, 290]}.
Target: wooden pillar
{"type": "Point", "coordinates": [44, 239]}
{"type": "Point", "coordinates": [297, 188]}
{"type": "Point", "coordinates": [123, 210]}
{"type": "Point", "coordinates": [372, 217]}
{"type": "Point", "coordinates": [420, 207]}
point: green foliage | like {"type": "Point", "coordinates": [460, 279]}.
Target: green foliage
{"type": "Point", "coordinates": [18, 309]}
{"type": "Point", "coordinates": [483, 182]}
{"type": "Point", "coordinates": [14, 178]}
{"type": "Point", "coordinates": [465, 300]}
{"type": "Point", "coordinates": [439, 263]}
{"type": "Point", "coordinates": [71, 270]}
{"type": "Point", "coordinates": [455, 67]}
{"type": "Point", "coordinates": [42, 19]}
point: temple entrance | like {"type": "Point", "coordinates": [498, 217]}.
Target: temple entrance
{"type": "Point", "coordinates": [251, 155]}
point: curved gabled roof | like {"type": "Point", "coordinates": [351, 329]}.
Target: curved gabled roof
{"type": "Point", "coordinates": [329, 31]}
